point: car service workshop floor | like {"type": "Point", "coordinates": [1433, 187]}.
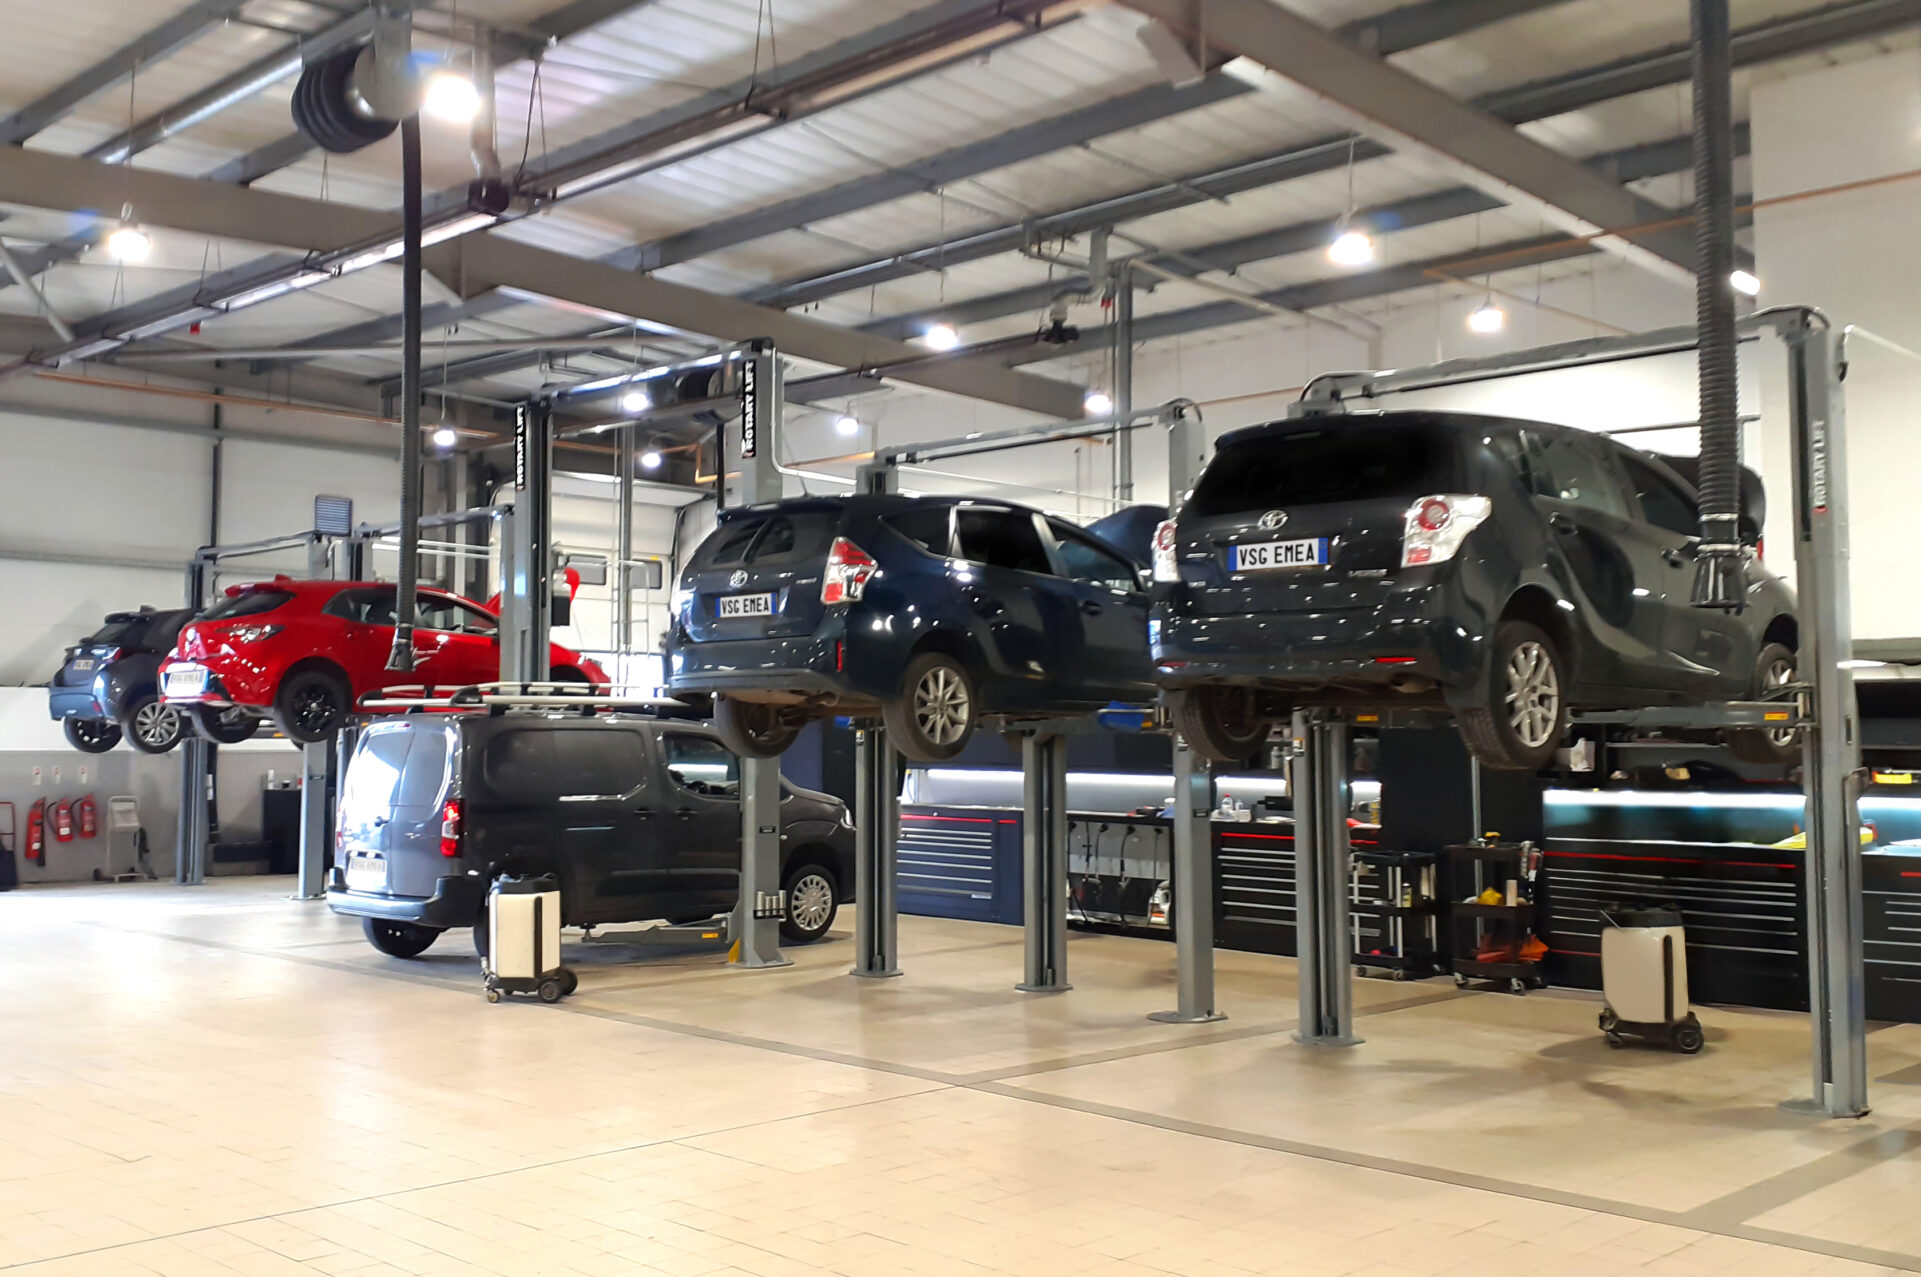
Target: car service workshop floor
{"type": "Point", "coordinates": [219, 1079]}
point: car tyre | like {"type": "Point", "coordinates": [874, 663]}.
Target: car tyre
{"type": "Point", "coordinates": [934, 716]}
{"type": "Point", "coordinates": [227, 726]}
{"type": "Point", "coordinates": [151, 726]}
{"type": "Point", "coordinates": [1774, 667]}
{"type": "Point", "coordinates": [399, 939]}
{"type": "Point", "coordinates": [1222, 724]}
{"type": "Point", "coordinates": [311, 705]}
{"type": "Point", "coordinates": [91, 735]}
{"type": "Point", "coordinates": [756, 729]}
{"type": "Point", "coordinates": [1524, 713]}
{"type": "Point", "coordinates": [811, 904]}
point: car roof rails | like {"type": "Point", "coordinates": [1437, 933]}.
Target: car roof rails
{"type": "Point", "coordinates": [497, 698]}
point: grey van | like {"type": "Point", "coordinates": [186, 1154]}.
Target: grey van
{"type": "Point", "coordinates": [638, 818]}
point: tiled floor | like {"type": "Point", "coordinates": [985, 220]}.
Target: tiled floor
{"type": "Point", "coordinates": [220, 1080]}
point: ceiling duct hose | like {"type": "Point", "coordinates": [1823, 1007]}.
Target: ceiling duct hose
{"type": "Point", "coordinates": [1718, 574]}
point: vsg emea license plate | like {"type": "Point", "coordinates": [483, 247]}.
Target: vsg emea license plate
{"type": "Point", "coordinates": [186, 680]}
{"type": "Point", "coordinates": [733, 605]}
{"type": "Point", "coordinates": [366, 873]}
{"type": "Point", "coordinates": [1310, 552]}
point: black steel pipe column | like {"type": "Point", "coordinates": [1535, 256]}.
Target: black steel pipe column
{"type": "Point", "coordinates": [1718, 575]}
{"type": "Point", "coordinates": [1044, 861]}
{"type": "Point", "coordinates": [407, 593]}
{"type": "Point", "coordinates": [876, 855]}
{"type": "Point", "coordinates": [1318, 781]}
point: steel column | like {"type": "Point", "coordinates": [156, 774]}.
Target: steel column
{"type": "Point", "coordinates": [876, 855]}
{"type": "Point", "coordinates": [316, 771]}
{"type": "Point", "coordinates": [1044, 861]}
{"type": "Point", "coordinates": [190, 838]}
{"type": "Point", "coordinates": [527, 590]}
{"type": "Point", "coordinates": [1318, 780]}
{"type": "Point", "coordinates": [1831, 750]}
{"type": "Point", "coordinates": [1124, 382]}
{"type": "Point", "coordinates": [624, 547]}
{"type": "Point", "coordinates": [757, 916]}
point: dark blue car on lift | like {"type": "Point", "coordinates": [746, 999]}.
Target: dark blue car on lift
{"type": "Point", "coordinates": [930, 611]}
{"type": "Point", "coordinates": [108, 688]}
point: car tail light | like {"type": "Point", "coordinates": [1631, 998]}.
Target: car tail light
{"type": "Point", "coordinates": [1166, 566]}
{"type": "Point", "coordinates": [106, 653]}
{"type": "Point", "coordinates": [848, 568]}
{"type": "Point", "coordinates": [450, 827]}
{"type": "Point", "coordinates": [252, 633]}
{"type": "Point", "coordinates": [1436, 526]}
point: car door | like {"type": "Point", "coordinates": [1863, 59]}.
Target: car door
{"type": "Point", "coordinates": [1612, 582]}
{"type": "Point", "coordinates": [1703, 645]}
{"type": "Point", "coordinates": [1112, 607]}
{"type": "Point", "coordinates": [365, 635]}
{"type": "Point", "coordinates": [440, 654]}
{"type": "Point", "coordinates": [698, 785]}
{"type": "Point", "coordinates": [1026, 618]}
{"type": "Point", "coordinates": [473, 651]}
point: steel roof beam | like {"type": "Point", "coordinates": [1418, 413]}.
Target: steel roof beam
{"type": "Point", "coordinates": [1633, 164]}
{"type": "Point", "coordinates": [1856, 19]}
{"type": "Point", "coordinates": [1127, 111]}
{"type": "Point", "coordinates": [175, 33]}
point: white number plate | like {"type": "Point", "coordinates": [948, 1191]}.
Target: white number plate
{"type": "Point", "coordinates": [1308, 553]}
{"type": "Point", "coordinates": [186, 680]}
{"type": "Point", "coordinates": [83, 664]}
{"type": "Point", "coordinates": [366, 873]}
{"type": "Point", "coordinates": [732, 605]}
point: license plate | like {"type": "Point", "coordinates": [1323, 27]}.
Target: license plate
{"type": "Point", "coordinates": [732, 605]}
{"type": "Point", "coordinates": [82, 665]}
{"type": "Point", "coordinates": [186, 680]}
{"type": "Point", "coordinates": [1310, 552]}
{"type": "Point", "coordinates": [366, 873]}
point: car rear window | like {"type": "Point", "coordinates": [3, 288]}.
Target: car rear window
{"type": "Point", "coordinates": [397, 767]}
{"type": "Point", "coordinates": [770, 538]}
{"type": "Point", "coordinates": [127, 631]}
{"type": "Point", "coordinates": [544, 764]}
{"type": "Point", "coordinates": [1319, 464]}
{"type": "Point", "coordinates": [246, 603]}
{"type": "Point", "coordinates": [925, 526]}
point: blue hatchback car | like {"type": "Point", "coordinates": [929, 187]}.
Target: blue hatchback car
{"type": "Point", "coordinates": [930, 612]}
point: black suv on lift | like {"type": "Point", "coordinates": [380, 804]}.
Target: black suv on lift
{"type": "Point", "coordinates": [638, 818]}
{"type": "Point", "coordinates": [1508, 570]}
{"type": "Point", "coordinates": [108, 684]}
{"type": "Point", "coordinates": [932, 611]}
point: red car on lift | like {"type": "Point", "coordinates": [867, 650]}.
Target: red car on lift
{"type": "Point", "coordinates": [302, 652]}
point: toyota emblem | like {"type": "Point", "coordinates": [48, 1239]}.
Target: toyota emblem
{"type": "Point", "coordinates": [738, 579]}
{"type": "Point", "coordinates": [1273, 519]}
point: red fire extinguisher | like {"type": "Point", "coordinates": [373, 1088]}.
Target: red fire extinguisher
{"type": "Point", "coordinates": [63, 820]}
{"type": "Point", "coordinates": [89, 820]}
{"type": "Point", "coordinates": [37, 831]}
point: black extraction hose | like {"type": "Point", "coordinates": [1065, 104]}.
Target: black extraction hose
{"type": "Point", "coordinates": [1719, 577]}
{"type": "Point", "coordinates": [402, 655]}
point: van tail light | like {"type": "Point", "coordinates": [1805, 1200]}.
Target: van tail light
{"type": "Point", "coordinates": [1435, 526]}
{"type": "Point", "coordinates": [848, 569]}
{"type": "Point", "coordinates": [450, 828]}
{"type": "Point", "coordinates": [1166, 566]}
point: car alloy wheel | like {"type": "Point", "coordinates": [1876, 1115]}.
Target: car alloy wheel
{"type": "Point", "coordinates": [942, 709]}
{"type": "Point", "coordinates": [314, 710]}
{"type": "Point", "coordinates": [810, 902]}
{"type": "Point", "coordinates": [1533, 694]}
{"type": "Point", "coordinates": [91, 735]}
{"type": "Point", "coordinates": [157, 726]}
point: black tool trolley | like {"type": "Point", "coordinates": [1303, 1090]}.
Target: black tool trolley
{"type": "Point", "coordinates": [1394, 901]}
{"type": "Point", "coordinates": [1487, 940]}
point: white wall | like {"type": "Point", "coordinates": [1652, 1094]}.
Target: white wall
{"type": "Point", "coordinates": [1856, 255]}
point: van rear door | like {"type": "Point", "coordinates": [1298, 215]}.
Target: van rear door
{"type": "Point", "coordinates": [390, 810]}
{"type": "Point", "coordinates": [759, 574]}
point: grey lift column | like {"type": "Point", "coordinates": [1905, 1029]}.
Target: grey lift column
{"type": "Point", "coordinates": [316, 770]}
{"type": "Point", "coordinates": [1831, 749]}
{"type": "Point", "coordinates": [196, 767]}
{"type": "Point", "coordinates": [1044, 860]}
{"type": "Point", "coordinates": [1318, 780]}
{"type": "Point", "coordinates": [526, 591]}
{"type": "Point", "coordinates": [756, 926]}
{"type": "Point", "coordinates": [1193, 785]}
{"type": "Point", "coordinates": [876, 864]}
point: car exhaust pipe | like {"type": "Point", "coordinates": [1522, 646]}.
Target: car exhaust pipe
{"type": "Point", "coordinates": [1718, 573]}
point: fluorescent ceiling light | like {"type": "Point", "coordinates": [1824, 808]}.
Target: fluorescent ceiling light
{"type": "Point", "coordinates": [636, 401]}
{"type": "Point", "coordinates": [1098, 403]}
{"type": "Point", "coordinates": [1746, 283]}
{"type": "Point", "coordinates": [279, 287]}
{"type": "Point", "coordinates": [848, 425]}
{"type": "Point", "coordinates": [940, 337]}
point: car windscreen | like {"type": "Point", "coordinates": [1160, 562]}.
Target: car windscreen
{"type": "Point", "coordinates": [399, 766]}
{"type": "Point", "coordinates": [245, 603]}
{"type": "Point", "coordinates": [769, 538]}
{"type": "Point", "coordinates": [1324, 463]}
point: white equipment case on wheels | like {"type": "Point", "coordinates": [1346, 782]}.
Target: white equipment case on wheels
{"type": "Point", "coordinates": [523, 939]}
{"type": "Point", "coordinates": [1644, 977]}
